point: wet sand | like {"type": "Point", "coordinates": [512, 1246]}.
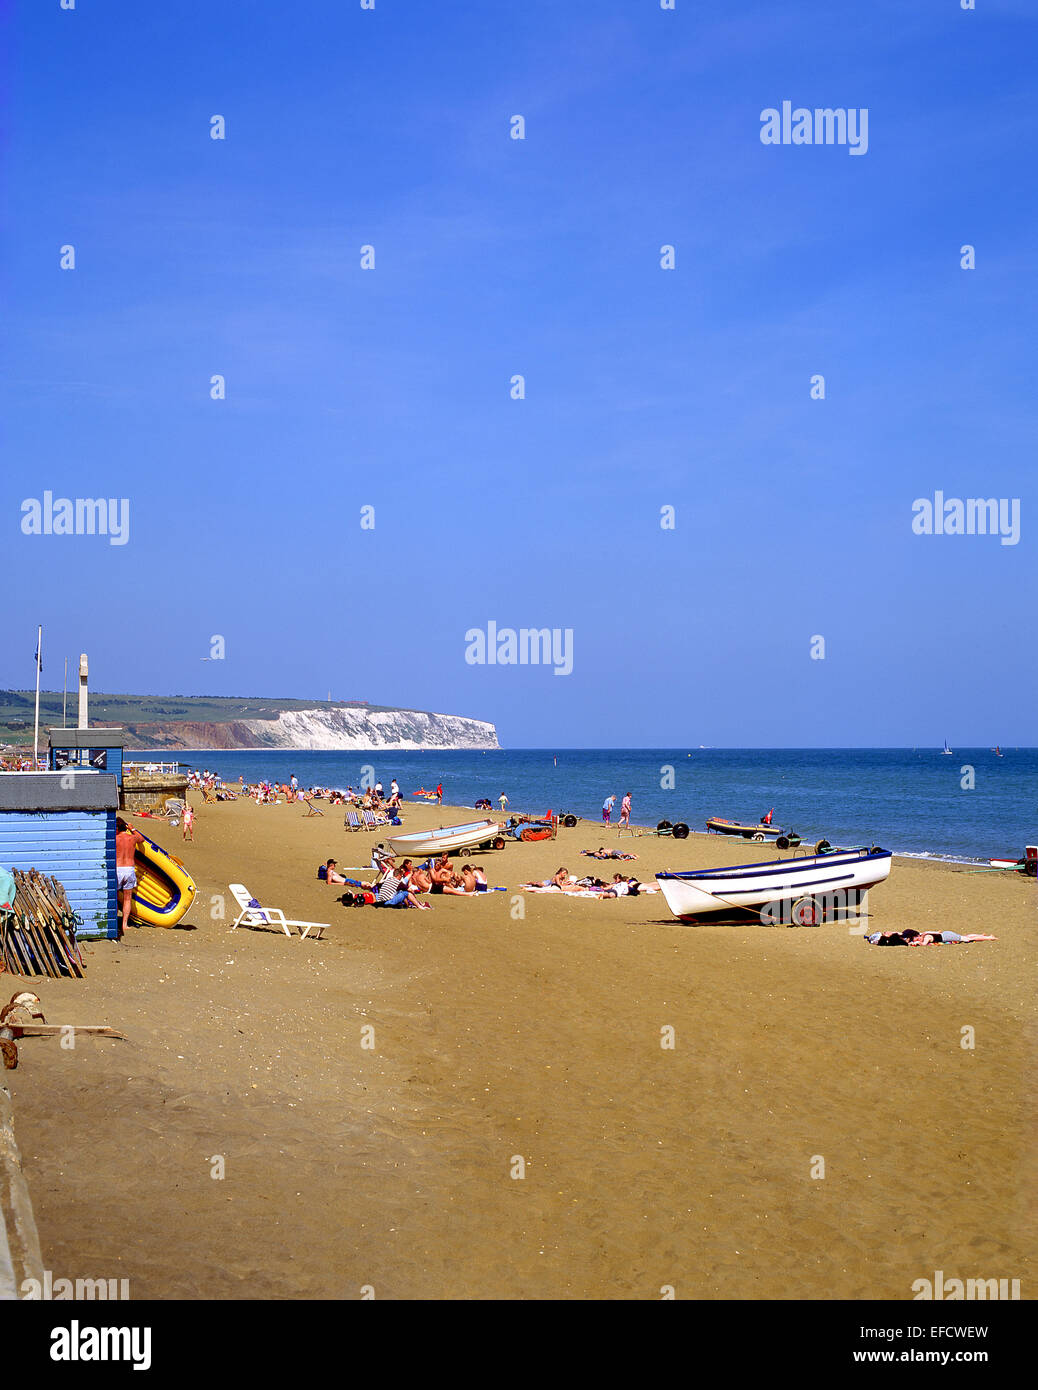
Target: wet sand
{"type": "Point", "coordinates": [534, 1044]}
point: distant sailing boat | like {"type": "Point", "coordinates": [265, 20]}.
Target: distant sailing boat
{"type": "Point", "coordinates": [946, 750]}
{"type": "Point", "coordinates": [997, 751]}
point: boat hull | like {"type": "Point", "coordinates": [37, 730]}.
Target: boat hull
{"type": "Point", "coordinates": [844, 875]}
{"type": "Point", "coordinates": [165, 890]}
{"type": "Point", "coordinates": [451, 839]}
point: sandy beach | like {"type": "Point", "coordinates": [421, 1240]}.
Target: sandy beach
{"type": "Point", "coordinates": [503, 1044]}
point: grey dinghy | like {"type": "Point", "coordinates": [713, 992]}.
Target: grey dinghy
{"type": "Point", "coordinates": [813, 885]}
{"type": "Point", "coordinates": [451, 839]}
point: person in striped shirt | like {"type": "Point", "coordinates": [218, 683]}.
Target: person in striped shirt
{"type": "Point", "coordinates": [395, 888]}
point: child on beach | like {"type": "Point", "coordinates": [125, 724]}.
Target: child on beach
{"type": "Point", "coordinates": [189, 821]}
{"type": "Point", "coordinates": [503, 802]}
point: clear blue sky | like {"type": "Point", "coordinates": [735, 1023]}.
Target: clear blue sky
{"type": "Point", "coordinates": [496, 256]}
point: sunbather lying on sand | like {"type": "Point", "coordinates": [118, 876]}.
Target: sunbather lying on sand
{"type": "Point", "coordinates": [560, 879]}
{"type": "Point", "coordinates": [909, 937]}
{"type": "Point", "coordinates": [602, 853]}
{"type": "Point", "coordinates": [590, 888]}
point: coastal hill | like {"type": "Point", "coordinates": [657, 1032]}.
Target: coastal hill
{"type": "Point", "coordinates": [159, 723]}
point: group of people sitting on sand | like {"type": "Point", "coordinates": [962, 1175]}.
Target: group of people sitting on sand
{"type": "Point", "coordinates": [401, 885]}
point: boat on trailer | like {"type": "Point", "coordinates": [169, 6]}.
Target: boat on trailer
{"type": "Point", "coordinates": [450, 839]}
{"type": "Point", "coordinates": [800, 891]}
{"type": "Point", "coordinates": [721, 826]}
{"type": "Point", "coordinates": [1028, 865]}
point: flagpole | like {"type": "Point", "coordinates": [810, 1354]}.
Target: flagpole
{"type": "Point", "coordinates": [36, 731]}
{"type": "Point", "coordinates": [64, 697]}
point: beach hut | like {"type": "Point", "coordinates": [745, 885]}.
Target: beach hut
{"type": "Point", "coordinates": [63, 823]}
{"type": "Point", "coordinates": [99, 750]}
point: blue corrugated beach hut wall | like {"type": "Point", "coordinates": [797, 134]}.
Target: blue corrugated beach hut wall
{"type": "Point", "coordinates": [67, 832]}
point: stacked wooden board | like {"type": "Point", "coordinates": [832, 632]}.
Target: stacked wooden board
{"type": "Point", "coordinates": [38, 933]}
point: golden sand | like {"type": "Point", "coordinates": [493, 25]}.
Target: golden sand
{"type": "Point", "coordinates": [534, 1045]}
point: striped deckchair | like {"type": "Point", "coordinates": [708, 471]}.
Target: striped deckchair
{"type": "Point", "coordinates": [352, 821]}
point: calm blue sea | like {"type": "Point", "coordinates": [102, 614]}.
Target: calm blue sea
{"type": "Point", "coordinates": [911, 801]}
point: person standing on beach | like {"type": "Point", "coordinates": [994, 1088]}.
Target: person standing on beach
{"type": "Point", "coordinates": [502, 802]}
{"type": "Point", "coordinates": [126, 842]}
{"type": "Point", "coordinates": [439, 793]}
{"type": "Point", "coordinates": [607, 809]}
{"type": "Point", "coordinates": [625, 810]}
{"type": "Point", "coordinates": [188, 822]}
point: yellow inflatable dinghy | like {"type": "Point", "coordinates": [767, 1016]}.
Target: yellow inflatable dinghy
{"type": "Point", "coordinates": [165, 890]}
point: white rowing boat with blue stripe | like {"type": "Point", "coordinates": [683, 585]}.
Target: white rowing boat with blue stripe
{"type": "Point", "coordinates": [450, 839]}
{"type": "Point", "coordinates": [837, 879]}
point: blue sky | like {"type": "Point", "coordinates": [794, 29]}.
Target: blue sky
{"type": "Point", "coordinates": [644, 387]}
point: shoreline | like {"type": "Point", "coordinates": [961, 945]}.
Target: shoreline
{"type": "Point", "coordinates": [848, 801]}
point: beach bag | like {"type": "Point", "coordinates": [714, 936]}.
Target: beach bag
{"type": "Point", "coordinates": [322, 872]}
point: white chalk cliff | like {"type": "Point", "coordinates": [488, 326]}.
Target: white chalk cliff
{"type": "Point", "coordinates": [359, 728]}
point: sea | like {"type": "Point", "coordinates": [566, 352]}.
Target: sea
{"type": "Point", "coordinates": [967, 807]}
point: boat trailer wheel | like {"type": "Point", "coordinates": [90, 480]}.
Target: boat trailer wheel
{"type": "Point", "coordinates": [807, 912]}
{"type": "Point", "coordinates": [498, 842]}
{"type": "Point", "coordinates": [680, 831]}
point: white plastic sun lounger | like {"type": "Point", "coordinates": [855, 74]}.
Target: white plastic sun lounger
{"type": "Point", "coordinates": [250, 916]}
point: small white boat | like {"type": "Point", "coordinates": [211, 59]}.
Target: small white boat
{"type": "Point", "coordinates": [946, 751]}
{"type": "Point", "coordinates": [797, 890]}
{"type": "Point", "coordinates": [451, 839]}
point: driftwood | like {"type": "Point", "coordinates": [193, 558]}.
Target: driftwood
{"type": "Point", "coordinates": [22, 1017]}
{"type": "Point", "coordinates": [38, 934]}
{"type": "Point", "coordinates": [49, 1030]}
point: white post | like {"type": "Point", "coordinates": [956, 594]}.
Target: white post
{"type": "Point", "coordinates": [64, 698]}
{"type": "Point", "coordinates": [36, 729]}
{"type": "Point", "coordinates": [83, 720]}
